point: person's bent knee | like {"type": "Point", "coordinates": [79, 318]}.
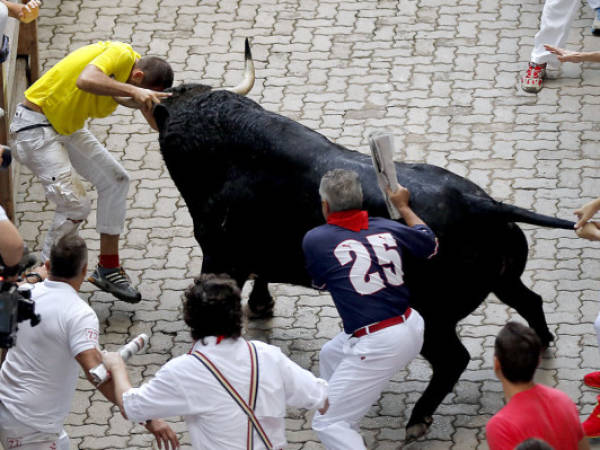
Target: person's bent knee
{"type": "Point", "coordinates": [122, 180]}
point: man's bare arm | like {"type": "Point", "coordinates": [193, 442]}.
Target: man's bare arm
{"type": "Point", "coordinates": [25, 13]}
{"type": "Point", "coordinates": [571, 56]}
{"type": "Point", "coordinates": [127, 102]}
{"type": "Point", "coordinates": [94, 81]}
{"type": "Point", "coordinates": [120, 384]}
{"type": "Point", "coordinates": [88, 359]}
{"type": "Point", "coordinates": [400, 200]}
{"type": "Point", "coordinates": [116, 366]}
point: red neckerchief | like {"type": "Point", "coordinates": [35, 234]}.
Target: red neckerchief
{"type": "Point", "coordinates": [219, 339]}
{"type": "Point", "coordinates": [352, 219]}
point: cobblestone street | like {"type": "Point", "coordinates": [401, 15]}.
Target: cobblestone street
{"type": "Point", "coordinates": [443, 76]}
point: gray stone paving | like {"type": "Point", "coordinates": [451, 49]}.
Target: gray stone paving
{"type": "Point", "coordinates": [443, 76]}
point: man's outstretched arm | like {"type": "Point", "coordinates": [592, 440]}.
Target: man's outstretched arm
{"type": "Point", "coordinates": [130, 103]}
{"type": "Point", "coordinates": [400, 199]}
{"type": "Point", "coordinates": [119, 383]}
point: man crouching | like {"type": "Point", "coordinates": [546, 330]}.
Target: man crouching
{"type": "Point", "coordinates": [358, 259]}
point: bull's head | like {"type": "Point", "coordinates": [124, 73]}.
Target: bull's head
{"type": "Point", "coordinates": [187, 90]}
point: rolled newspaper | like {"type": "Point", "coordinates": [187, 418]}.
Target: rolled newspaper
{"type": "Point", "coordinates": [382, 152]}
{"type": "Point", "coordinates": [99, 373]}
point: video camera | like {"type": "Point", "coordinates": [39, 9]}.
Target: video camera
{"type": "Point", "coordinates": [16, 304]}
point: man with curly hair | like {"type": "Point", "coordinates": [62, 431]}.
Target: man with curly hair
{"type": "Point", "coordinates": [210, 385]}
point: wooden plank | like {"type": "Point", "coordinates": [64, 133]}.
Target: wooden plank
{"type": "Point", "coordinates": [6, 187]}
{"type": "Point", "coordinates": [15, 76]}
{"type": "Point", "coordinates": [28, 46]}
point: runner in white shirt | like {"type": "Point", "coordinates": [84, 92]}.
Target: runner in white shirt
{"type": "Point", "coordinates": [39, 376]}
{"type": "Point", "coordinates": [185, 387]}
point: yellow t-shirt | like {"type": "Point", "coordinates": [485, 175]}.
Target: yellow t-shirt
{"type": "Point", "coordinates": [65, 105]}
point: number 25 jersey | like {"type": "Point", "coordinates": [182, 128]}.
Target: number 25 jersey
{"type": "Point", "coordinates": [363, 269]}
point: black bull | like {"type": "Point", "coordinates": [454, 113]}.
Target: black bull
{"type": "Point", "coordinates": [250, 180]}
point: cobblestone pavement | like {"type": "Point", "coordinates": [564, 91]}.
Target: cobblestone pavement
{"type": "Point", "coordinates": [442, 74]}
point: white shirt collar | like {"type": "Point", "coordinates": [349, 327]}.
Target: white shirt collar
{"type": "Point", "coordinates": [59, 285]}
{"type": "Point", "coordinates": [211, 341]}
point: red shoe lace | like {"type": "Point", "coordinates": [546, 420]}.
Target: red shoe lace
{"type": "Point", "coordinates": [534, 70]}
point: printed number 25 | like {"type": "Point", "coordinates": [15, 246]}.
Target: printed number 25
{"type": "Point", "coordinates": [384, 246]}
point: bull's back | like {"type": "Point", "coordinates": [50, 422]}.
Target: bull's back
{"type": "Point", "coordinates": [250, 179]}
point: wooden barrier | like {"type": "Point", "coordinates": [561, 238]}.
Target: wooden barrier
{"type": "Point", "coordinates": [16, 74]}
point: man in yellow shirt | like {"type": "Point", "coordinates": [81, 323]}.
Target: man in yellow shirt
{"type": "Point", "coordinates": [50, 138]}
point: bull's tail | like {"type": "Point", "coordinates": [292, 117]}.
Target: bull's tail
{"type": "Point", "coordinates": [489, 207]}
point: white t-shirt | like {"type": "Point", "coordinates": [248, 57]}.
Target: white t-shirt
{"type": "Point", "coordinates": [184, 387]}
{"type": "Point", "coordinates": [3, 215]}
{"type": "Point", "coordinates": [39, 376]}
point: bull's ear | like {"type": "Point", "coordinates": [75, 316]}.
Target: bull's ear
{"type": "Point", "coordinates": [161, 115]}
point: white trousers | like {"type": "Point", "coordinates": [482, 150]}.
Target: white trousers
{"type": "Point", "coordinates": [357, 370]}
{"type": "Point", "coordinates": [14, 434]}
{"type": "Point", "coordinates": [52, 157]}
{"type": "Point", "coordinates": [557, 17]}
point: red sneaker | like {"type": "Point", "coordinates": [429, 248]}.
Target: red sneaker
{"type": "Point", "coordinates": [592, 380]}
{"type": "Point", "coordinates": [532, 81]}
{"type": "Point", "coordinates": [591, 426]}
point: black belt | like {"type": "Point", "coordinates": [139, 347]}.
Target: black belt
{"type": "Point", "coordinates": [30, 127]}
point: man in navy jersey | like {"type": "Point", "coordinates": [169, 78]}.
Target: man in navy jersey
{"type": "Point", "coordinates": [359, 261]}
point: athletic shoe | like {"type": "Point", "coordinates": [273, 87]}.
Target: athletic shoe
{"type": "Point", "coordinates": [592, 380]}
{"type": "Point", "coordinates": [532, 81]}
{"type": "Point", "coordinates": [591, 427]}
{"type": "Point", "coordinates": [116, 282]}
{"type": "Point", "coordinates": [596, 24]}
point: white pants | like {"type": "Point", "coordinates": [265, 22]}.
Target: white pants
{"type": "Point", "coordinates": [14, 434]}
{"type": "Point", "coordinates": [52, 157]}
{"type": "Point", "coordinates": [557, 17]}
{"type": "Point", "coordinates": [357, 370]}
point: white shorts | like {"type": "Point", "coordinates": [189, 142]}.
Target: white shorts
{"type": "Point", "coordinates": [16, 435]}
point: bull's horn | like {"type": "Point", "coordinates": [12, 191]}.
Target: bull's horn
{"type": "Point", "coordinates": [244, 87]}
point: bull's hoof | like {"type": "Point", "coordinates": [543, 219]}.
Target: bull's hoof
{"type": "Point", "coordinates": [547, 339]}
{"type": "Point", "coordinates": [260, 311]}
{"type": "Point", "coordinates": [417, 430]}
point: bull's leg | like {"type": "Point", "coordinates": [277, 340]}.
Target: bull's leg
{"type": "Point", "coordinates": [448, 358]}
{"type": "Point", "coordinates": [260, 301]}
{"type": "Point", "coordinates": [528, 304]}
{"type": "Point", "coordinates": [511, 290]}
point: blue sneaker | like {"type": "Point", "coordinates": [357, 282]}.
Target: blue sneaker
{"type": "Point", "coordinates": [596, 24]}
